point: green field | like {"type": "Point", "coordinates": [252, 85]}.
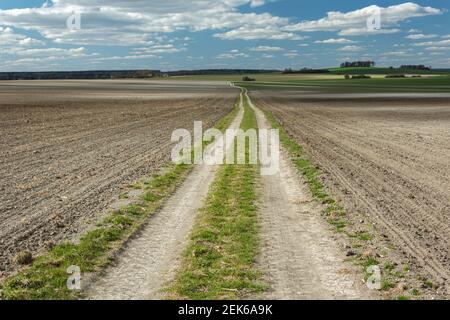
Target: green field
{"type": "Point", "coordinates": [333, 82]}
{"type": "Point", "coordinates": [264, 77]}
{"type": "Point", "coordinates": [437, 80]}
{"type": "Point", "coordinates": [376, 84]}
{"type": "Point", "coordinates": [384, 71]}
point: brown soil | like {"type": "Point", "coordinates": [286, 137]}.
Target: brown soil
{"type": "Point", "coordinates": [68, 148]}
{"type": "Point", "coordinates": [387, 161]}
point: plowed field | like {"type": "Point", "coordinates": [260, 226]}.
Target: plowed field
{"type": "Point", "coordinates": [69, 147]}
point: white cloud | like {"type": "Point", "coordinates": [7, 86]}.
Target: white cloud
{"type": "Point", "coordinates": [355, 22]}
{"type": "Point", "coordinates": [35, 59]}
{"type": "Point", "coordinates": [335, 41]}
{"type": "Point", "coordinates": [158, 48]}
{"type": "Point", "coordinates": [291, 54]}
{"type": "Point", "coordinates": [117, 22]}
{"type": "Point", "coordinates": [149, 27]}
{"type": "Point", "coordinates": [440, 43]}
{"type": "Point", "coordinates": [438, 49]}
{"type": "Point", "coordinates": [365, 31]}
{"type": "Point", "coordinates": [233, 54]}
{"type": "Point", "coordinates": [31, 42]}
{"type": "Point", "coordinates": [396, 54]}
{"type": "Point", "coordinates": [257, 3]}
{"type": "Point", "coordinates": [421, 36]}
{"type": "Point", "coordinates": [351, 48]}
{"type": "Point", "coordinates": [76, 52]}
{"type": "Point", "coordinates": [266, 49]}
{"type": "Point", "coordinates": [249, 33]}
{"type": "Point", "coordinates": [8, 38]}
{"type": "Point", "coordinates": [130, 57]}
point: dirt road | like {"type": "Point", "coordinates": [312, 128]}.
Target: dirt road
{"type": "Point", "coordinates": [299, 255]}
{"type": "Point", "coordinates": [69, 148]}
{"type": "Point", "coordinates": [386, 159]}
{"type": "Point", "coordinates": [150, 260]}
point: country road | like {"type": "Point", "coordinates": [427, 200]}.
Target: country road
{"type": "Point", "coordinates": [298, 256]}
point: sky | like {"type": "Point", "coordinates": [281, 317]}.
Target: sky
{"type": "Point", "coordinates": [39, 35]}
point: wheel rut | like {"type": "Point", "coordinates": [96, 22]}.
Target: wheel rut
{"type": "Point", "coordinates": [299, 255]}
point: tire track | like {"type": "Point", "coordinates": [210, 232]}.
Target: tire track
{"type": "Point", "coordinates": [299, 255]}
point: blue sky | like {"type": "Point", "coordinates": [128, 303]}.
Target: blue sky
{"type": "Point", "coordinates": [180, 34]}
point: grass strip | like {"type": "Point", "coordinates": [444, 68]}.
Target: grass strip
{"type": "Point", "coordinates": [218, 263]}
{"type": "Point", "coordinates": [46, 277]}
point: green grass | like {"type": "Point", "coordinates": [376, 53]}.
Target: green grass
{"type": "Point", "coordinates": [415, 292]}
{"type": "Point", "coordinates": [46, 278]}
{"type": "Point", "coordinates": [218, 263]}
{"type": "Point", "coordinates": [428, 284]}
{"type": "Point", "coordinates": [123, 196]}
{"type": "Point", "coordinates": [136, 186]}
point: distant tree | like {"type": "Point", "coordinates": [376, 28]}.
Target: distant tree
{"type": "Point", "coordinates": [415, 67]}
{"type": "Point", "coordinates": [361, 76]}
{"type": "Point", "coordinates": [395, 76]}
{"type": "Point", "coordinates": [358, 64]}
